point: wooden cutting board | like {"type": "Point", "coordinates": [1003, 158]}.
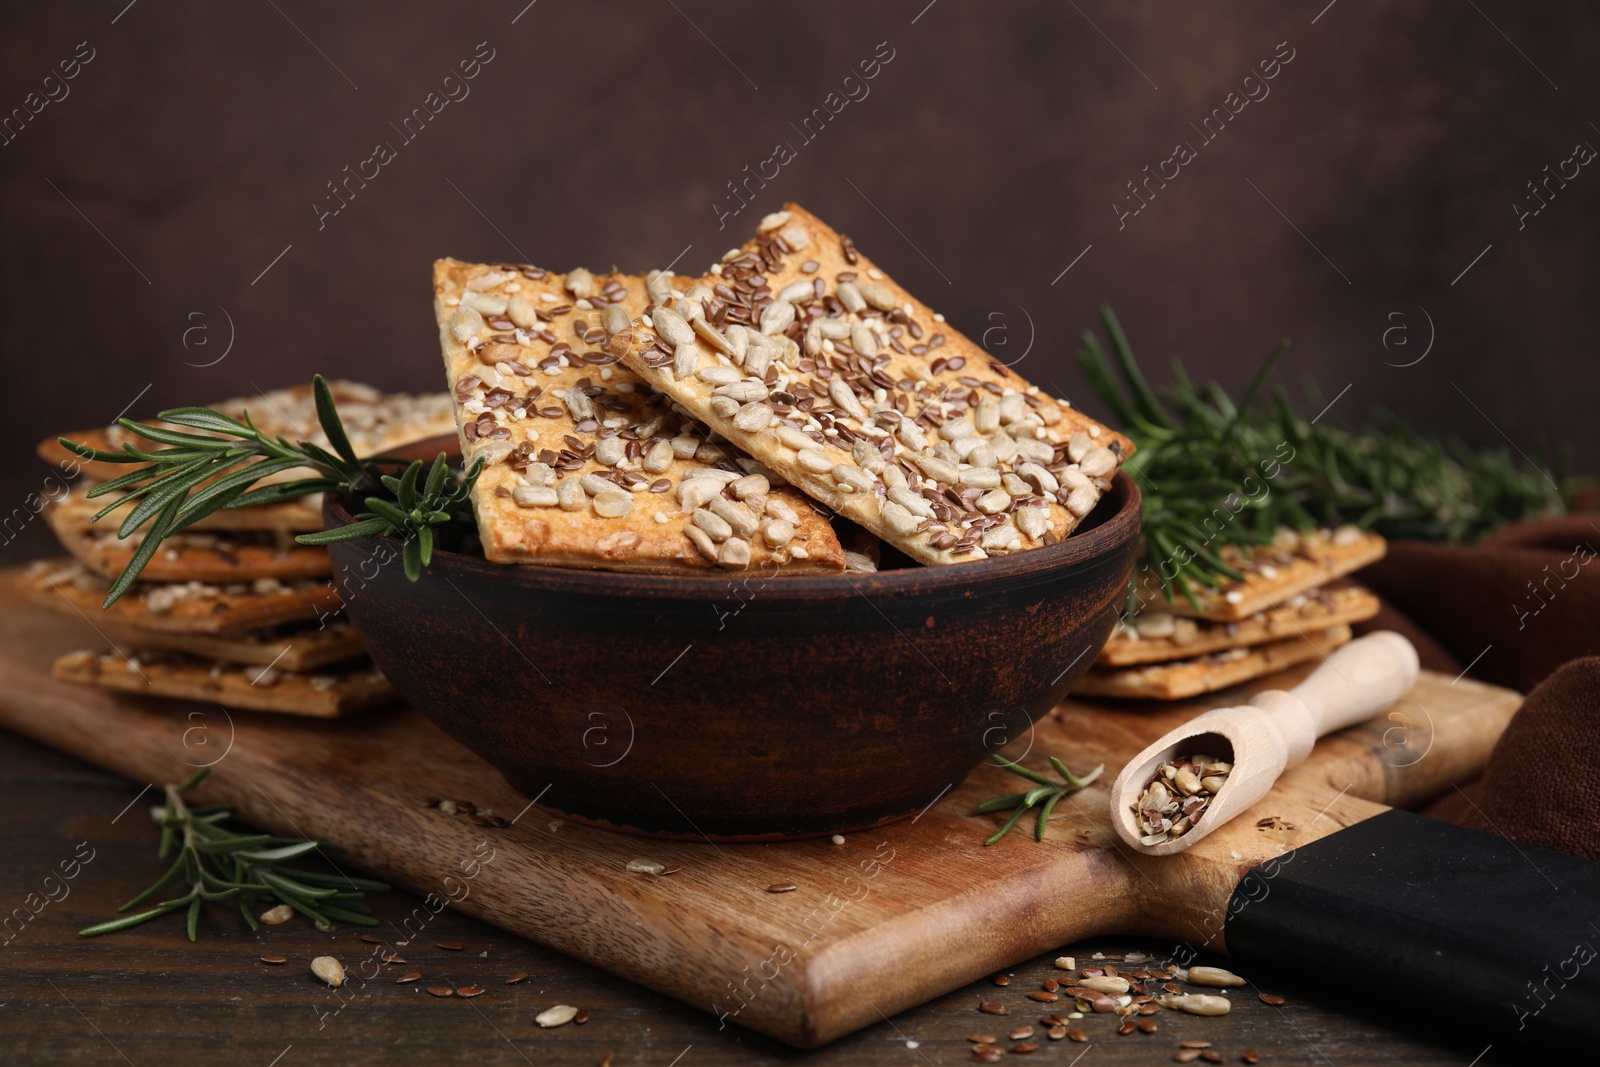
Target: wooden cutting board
{"type": "Point", "coordinates": [890, 918]}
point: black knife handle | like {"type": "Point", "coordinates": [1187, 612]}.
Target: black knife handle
{"type": "Point", "coordinates": [1478, 931]}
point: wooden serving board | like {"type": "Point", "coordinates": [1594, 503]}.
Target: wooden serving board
{"type": "Point", "coordinates": [890, 918]}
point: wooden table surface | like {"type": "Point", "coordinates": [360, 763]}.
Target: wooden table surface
{"type": "Point", "coordinates": [147, 996]}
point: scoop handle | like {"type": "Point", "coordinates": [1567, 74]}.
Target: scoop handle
{"type": "Point", "coordinates": [1358, 680]}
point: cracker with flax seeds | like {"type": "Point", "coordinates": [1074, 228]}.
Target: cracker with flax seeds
{"type": "Point", "coordinates": [1157, 636]}
{"type": "Point", "coordinates": [805, 355]}
{"type": "Point", "coordinates": [1271, 574]}
{"type": "Point", "coordinates": [190, 556]}
{"type": "Point", "coordinates": [586, 465]}
{"type": "Point", "coordinates": [298, 647]}
{"type": "Point", "coordinates": [375, 422]}
{"type": "Point", "coordinates": [67, 586]}
{"type": "Point", "coordinates": [1206, 674]}
{"type": "Point", "coordinates": [324, 695]}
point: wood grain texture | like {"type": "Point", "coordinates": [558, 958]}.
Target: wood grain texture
{"type": "Point", "coordinates": [909, 911]}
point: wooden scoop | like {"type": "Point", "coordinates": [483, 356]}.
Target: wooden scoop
{"type": "Point", "coordinates": [1269, 735]}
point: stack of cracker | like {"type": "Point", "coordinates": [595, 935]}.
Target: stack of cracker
{"type": "Point", "coordinates": [1293, 605]}
{"type": "Point", "coordinates": [232, 611]}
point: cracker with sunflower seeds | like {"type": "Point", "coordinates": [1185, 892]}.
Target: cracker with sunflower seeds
{"type": "Point", "coordinates": [324, 695]}
{"type": "Point", "coordinates": [375, 422]}
{"type": "Point", "coordinates": [805, 355]}
{"type": "Point", "coordinates": [586, 465]}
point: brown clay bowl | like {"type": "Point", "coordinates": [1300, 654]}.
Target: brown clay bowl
{"type": "Point", "coordinates": [740, 706]}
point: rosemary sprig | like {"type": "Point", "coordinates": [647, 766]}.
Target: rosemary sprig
{"type": "Point", "coordinates": [222, 864]}
{"type": "Point", "coordinates": [1045, 791]}
{"type": "Point", "coordinates": [1216, 472]}
{"type": "Point", "coordinates": [197, 473]}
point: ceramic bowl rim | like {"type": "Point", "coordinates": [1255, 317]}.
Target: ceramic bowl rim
{"type": "Point", "coordinates": [1122, 525]}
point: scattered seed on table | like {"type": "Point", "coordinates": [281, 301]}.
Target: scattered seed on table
{"type": "Point", "coordinates": [1066, 963]}
{"type": "Point", "coordinates": [274, 959]}
{"type": "Point", "coordinates": [1022, 1048]}
{"type": "Point", "coordinates": [987, 1054]}
{"type": "Point", "coordinates": [441, 991]}
{"type": "Point", "coordinates": [391, 958]}
{"type": "Point", "coordinates": [666, 871]}
{"type": "Point", "coordinates": [1194, 1044]}
{"type": "Point", "coordinates": [1149, 1009]}
{"type": "Point", "coordinates": [409, 976]}
{"type": "Point", "coordinates": [1214, 976]}
{"type": "Point", "coordinates": [1126, 1027]}
{"type": "Point", "coordinates": [469, 991]}
{"type": "Point", "coordinates": [371, 940]}
{"type": "Point", "coordinates": [1076, 1034]}
{"type": "Point", "coordinates": [1211, 1055]}
{"type": "Point", "coordinates": [990, 1007]}
{"type": "Point", "coordinates": [559, 1015]}
{"type": "Point", "coordinates": [1056, 1033]}
{"type": "Point", "coordinates": [329, 970]}
{"type": "Point", "coordinates": [581, 1018]}
{"type": "Point", "coordinates": [838, 839]}
{"type": "Point", "coordinates": [1000, 979]}
{"type": "Point", "coordinates": [453, 946]}
{"type": "Point", "coordinates": [1044, 996]}
{"type": "Point", "coordinates": [1250, 1055]}
{"type": "Point", "coordinates": [782, 887]}
{"type": "Point", "coordinates": [1051, 985]}
{"type": "Point", "coordinates": [982, 1039]}
{"type": "Point", "coordinates": [277, 915]}
{"type": "Point", "coordinates": [1271, 998]}
{"type": "Point", "coordinates": [514, 979]}
{"type": "Point", "coordinates": [1186, 1055]}
{"type": "Point", "coordinates": [1147, 1025]}
{"type": "Point", "coordinates": [1172, 987]}
{"type": "Point", "coordinates": [1021, 1033]}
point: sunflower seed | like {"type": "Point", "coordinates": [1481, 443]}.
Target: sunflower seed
{"type": "Point", "coordinates": [685, 359]}
{"type": "Point", "coordinates": [1098, 461]}
{"type": "Point", "coordinates": [715, 526]}
{"type": "Point", "coordinates": [738, 517]}
{"type": "Point", "coordinates": [465, 325]}
{"type": "Point", "coordinates": [484, 303]}
{"type": "Point", "coordinates": [898, 519]}
{"type": "Point", "coordinates": [533, 496]}
{"type": "Point", "coordinates": [796, 292]}
{"type": "Point", "coordinates": [1196, 1004]}
{"type": "Point", "coordinates": [701, 541]}
{"type": "Point", "coordinates": [657, 458]}
{"type": "Point", "coordinates": [1214, 976]}
{"type": "Point", "coordinates": [277, 915]}
{"type": "Point", "coordinates": [876, 295]}
{"type": "Point", "coordinates": [777, 317]}
{"type": "Point", "coordinates": [329, 970]}
{"type": "Point", "coordinates": [581, 284]}
{"type": "Point", "coordinates": [718, 376]}
{"type": "Point", "coordinates": [815, 460]}
{"type": "Point", "coordinates": [1103, 984]}
{"type": "Point", "coordinates": [559, 1015]}
{"type": "Point", "coordinates": [864, 341]}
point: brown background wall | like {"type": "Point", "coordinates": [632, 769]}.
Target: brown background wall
{"type": "Point", "coordinates": [987, 156]}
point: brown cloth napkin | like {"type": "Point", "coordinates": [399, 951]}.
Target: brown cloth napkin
{"type": "Point", "coordinates": [1514, 607]}
{"type": "Point", "coordinates": [1521, 609]}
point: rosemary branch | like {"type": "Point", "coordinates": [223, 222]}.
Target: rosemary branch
{"type": "Point", "coordinates": [1046, 791]}
{"type": "Point", "coordinates": [1215, 472]}
{"type": "Point", "coordinates": [222, 864]}
{"type": "Point", "coordinates": [198, 473]}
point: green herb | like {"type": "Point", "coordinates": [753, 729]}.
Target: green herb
{"type": "Point", "coordinates": [222, 864]}
{"type": "Point", "coordinates": [199, 473]}
{"type": "Point", "coordinates": [1216, 472]}
{"type": "Point", "coordinates": [1045, 791]}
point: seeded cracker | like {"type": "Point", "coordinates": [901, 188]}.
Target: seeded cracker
{"type": "Point", "coordinates": [1206, 674]}
{"type": "Point", "coordinates": [803, 354]}
{"type": "Point", "coordinates": [1273, 573]}
{"type": "Point", "coordinates": [212, 556]}
{"type": "Point", "coordinates": [586, 465]}
{"type": "Point", "coordinates": [297, 647]}
{"type": "Point", "coordinates": [374, 421]}
{"type": "Point", "coordinates": [1155, 636]}
{"type": "Point", "coordinates": [68, 587]}
{"type": "Point", "coordinates": [324, 695]}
